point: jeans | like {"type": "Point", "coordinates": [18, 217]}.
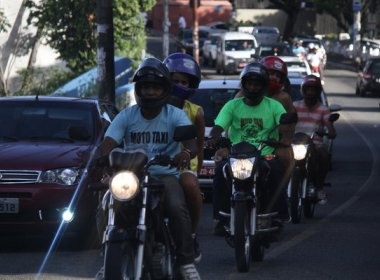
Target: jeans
{"type": "Point", "coordinates": [273, 191]}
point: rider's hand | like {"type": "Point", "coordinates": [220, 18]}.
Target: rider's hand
{"type": "Point", "coordinates": [182, 160]}
{"type": "Point", "coordinates": [211, 142]}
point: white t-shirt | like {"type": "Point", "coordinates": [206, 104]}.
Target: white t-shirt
{"type": "Point", "coordinates": [181, 22]}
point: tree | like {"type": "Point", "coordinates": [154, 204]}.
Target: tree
{"type": "Point", "coordinates": [4, 24]}
{"type": "Point", "coordinates": [340, 10]}
{"type": "Point", "coordinates": [70, 28]}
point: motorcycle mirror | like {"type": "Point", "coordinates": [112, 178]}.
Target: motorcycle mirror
{"type": "Point", "coordinates": [335, 107]}
{"type": "Point", "coordinates": [184, 132]}
{"type": "Point", "coordinates": [334, 117]}
{"type": "Point", "coordinates": [288, 118]}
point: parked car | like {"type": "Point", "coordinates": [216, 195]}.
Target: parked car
{"type": "Point", "coordinates": [368, 79]}
{"type": "Point", "coordinates": [365, 49]}
{"type": "Point", "coordinates": [212, 95]}
{"type": "Point", "coordinates": [234, 51]}
{"type": "Point", "coordinates": [184, 40]}
{"type": "Point", "coordinates": [45, 146]}
{"type": "Point", "coordinates": [266, 34]}
{"type": "Point", "coordinates": [209, 50]}
{"type": "Point", "coordinates": [296, 66]}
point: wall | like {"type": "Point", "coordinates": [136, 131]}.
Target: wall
{"type": "Point", "coordinates": [209, 11]}
{"type": "Point", "coordinates": [270, 17]}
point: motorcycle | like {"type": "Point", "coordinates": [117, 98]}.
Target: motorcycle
{"type": "Point", "coordinates": [301, 195]}
{"type": "Point", "coordinates": [251, 227]}
{"type": "Point", "coordinates": [137, 241]}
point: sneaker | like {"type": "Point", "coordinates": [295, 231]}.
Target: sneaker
{"type": "Point", "coordinates": [197, 250]}
{"type": "Point", "coordinates": [189, 272]}
{"type": "Point", "coordinates": [322, 197]}
{"type": "Point", "coordinates": [219, 229]}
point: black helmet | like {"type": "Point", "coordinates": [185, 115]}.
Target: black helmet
{"type": "Point", "coordinates": [254, 71]}
{"type": "Point", "coordinates": [152, 70]}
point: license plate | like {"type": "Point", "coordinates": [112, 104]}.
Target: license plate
{"type": "Point", "coordinates": [9, 205]}
{"type": "Point", "coordinates": [207, 171]}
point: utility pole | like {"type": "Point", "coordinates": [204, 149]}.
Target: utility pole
{"type": "Point", "coordinates": [166, 24]}
{"type": "Point", "coordinates": [356, 9]}
{"type": "Point", "coordinates": [105, 52]}
{"type": "Point", "coordinates": [195, 31]}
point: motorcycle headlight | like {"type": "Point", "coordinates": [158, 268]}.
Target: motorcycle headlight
{"type": "Point", "coordinates": [299, 151]}
{"type": "Point", "coordinates": [64, 176]}
{"type": "Point", "coordinates": [242, 168]}
{"type": "Point", "coordinates": [124, 185]}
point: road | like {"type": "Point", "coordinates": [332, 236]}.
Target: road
{"type": "Point", "coordinates": [340, 242]}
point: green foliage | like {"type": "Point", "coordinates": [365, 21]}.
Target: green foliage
{"type": "Point", "coordinates": [70, 28]}
{"type": "Point", "coordinates": [4, 24]}
{"type": "Point", "coordinates": [42, 81]}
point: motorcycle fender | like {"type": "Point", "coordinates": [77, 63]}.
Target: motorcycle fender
{"type": "Point", "coordinates": [116, 235]}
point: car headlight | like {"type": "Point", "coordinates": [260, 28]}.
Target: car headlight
{"type": "Point", "coordinates": [299, 151]}
{"type": "Point", "coordinates": [124, 185]}
{"type": "Point", "coordinates": [242, 168]}
{"type": "Point", "coordinates": [63, 176]}
{"type": "Point", "coordinates": [230, 59]}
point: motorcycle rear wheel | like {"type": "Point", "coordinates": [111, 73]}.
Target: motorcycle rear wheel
{"type": "Point", "coordinates": [309, 208]}
{"type": "Point", "coordinates": [242, 237]}
{"type": "Point", "coordinates": [296, 197]}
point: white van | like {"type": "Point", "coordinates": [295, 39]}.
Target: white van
{"type": "Point", "coordinates": [234, 51]}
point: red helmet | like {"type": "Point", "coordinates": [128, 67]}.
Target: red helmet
{"type": "Point", "coordinates": [277, 64]}
{"type": "Point", "coordinates": [311, 81]}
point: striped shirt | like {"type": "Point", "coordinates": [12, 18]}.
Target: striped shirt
{"type": "Point", "coordinates": [311, 120]}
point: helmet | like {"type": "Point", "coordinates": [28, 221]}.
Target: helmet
{"type": "Point", "coordinates": [254, 71]}
{"type": "Point", "coordinates": [152, 70]}
{"type": "Point", "coordinates": [277, 64]}
{"type": "Point", "coordinates": [311, 81]}
{"type": "Point", "coordinates": [311, 46]}
{"type": "Point", "coordinates": [184, 64]}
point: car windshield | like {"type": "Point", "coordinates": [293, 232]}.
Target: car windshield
{"type": "Point", "coordinates": [48, 121]}
{"type": "Point", "coordinates": [212, 100]}
{"type": "Point", "coordinates": [238, 45]}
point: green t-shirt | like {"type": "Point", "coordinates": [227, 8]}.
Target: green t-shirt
{"type": "Point", "coordinates": [251, 123]}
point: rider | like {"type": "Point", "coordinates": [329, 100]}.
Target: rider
{"type": "Point", "coordinates": [149, 125]}
{"type": "Point", "coordinates": [314, 116]}
{"type": "Point", "coordinates": [249, 118]}
{"type": "Point", "coordinates": [278, 73]}
{"type": "Point", "coordinates": [186, 76]}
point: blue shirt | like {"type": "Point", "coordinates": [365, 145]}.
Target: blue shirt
{"type": "Point", "coordinates": [155, 136]}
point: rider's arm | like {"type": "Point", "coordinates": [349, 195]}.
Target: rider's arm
{"type": "Point", "coordinates": [331, 130]}
{"type": "Point", "coordinates": [105, 147]}
{"type": "Point", "coordinates": [216, 133]}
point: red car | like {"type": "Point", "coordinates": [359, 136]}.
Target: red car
{"type": "Point", "coordinates": [45, 147]}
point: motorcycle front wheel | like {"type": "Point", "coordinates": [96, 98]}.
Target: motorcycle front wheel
{"type": "Point", "coordinates": [295, 200]}
{"type": "Point", "coordinates": [119, 261]}
{"type": "Point", "coordinates": [242, 237]}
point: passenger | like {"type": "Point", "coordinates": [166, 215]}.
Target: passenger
{"type": "Point", "coordinates": [314, 116]}
{"type": "Point", "coordinates": [186, 76]}
{"type": "Point", "coordinates": [150, 116]}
